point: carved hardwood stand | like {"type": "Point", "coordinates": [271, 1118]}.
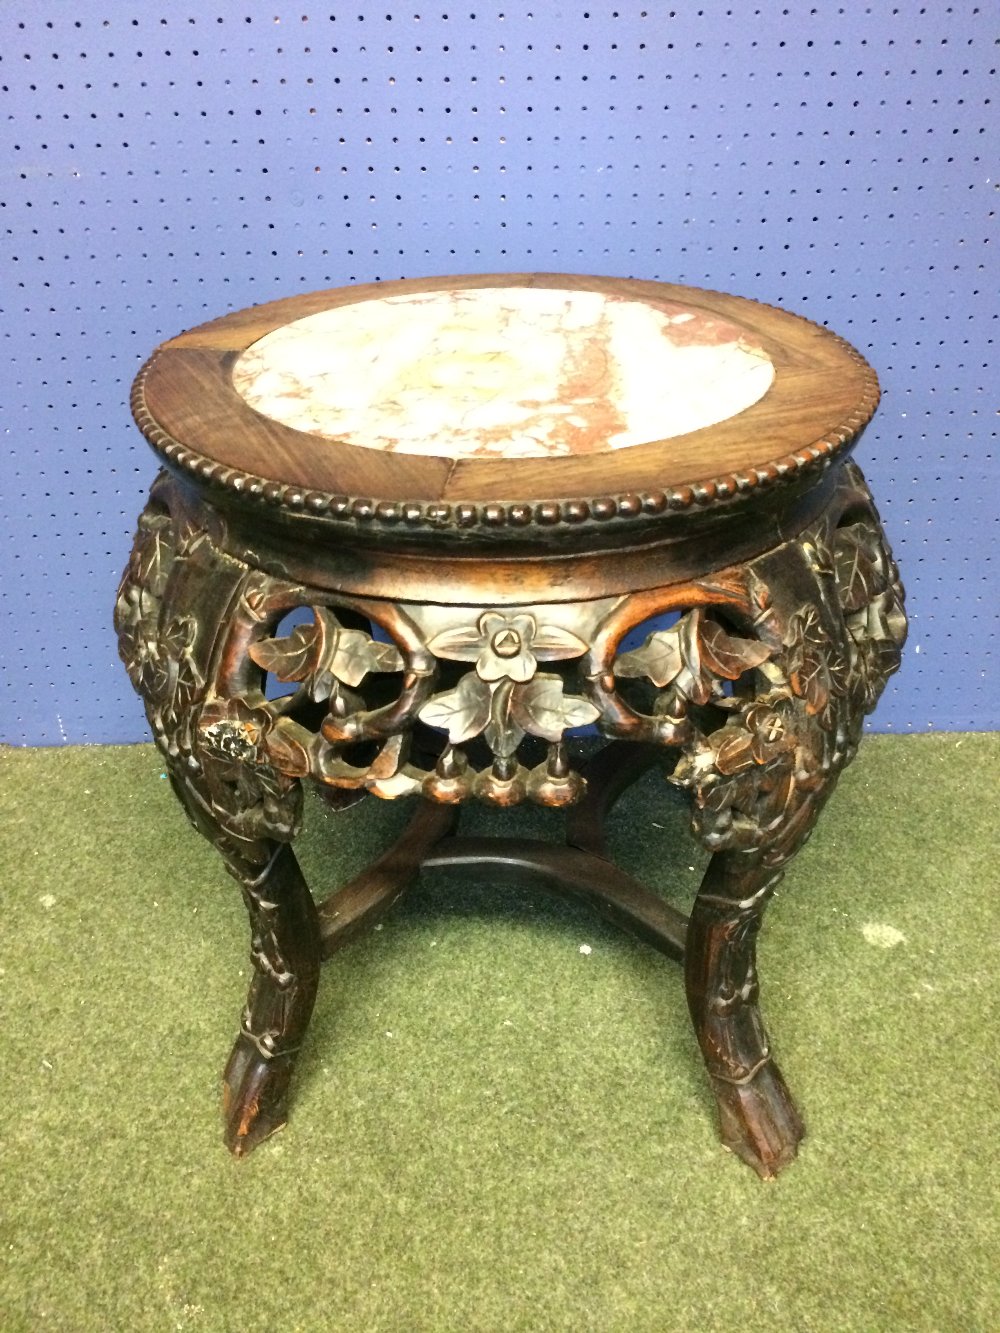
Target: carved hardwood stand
{"type": "Point", "coordinates": [453, 629]}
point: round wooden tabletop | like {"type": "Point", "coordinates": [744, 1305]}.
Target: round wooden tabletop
{"type": "Point", "coordinates": [504, 401]}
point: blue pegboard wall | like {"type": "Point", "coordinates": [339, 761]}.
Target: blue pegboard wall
{"type": "Point", "coordinates": [166, 163]}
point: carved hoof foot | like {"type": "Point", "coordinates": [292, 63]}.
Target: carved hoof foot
{"type": "Point", "coordinates": [254, 1096]}
{"type": "Point", "coordinates": [758, 1121]}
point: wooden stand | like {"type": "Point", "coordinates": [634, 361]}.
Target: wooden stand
{"type": "Point", "coordinates": [463, 616]}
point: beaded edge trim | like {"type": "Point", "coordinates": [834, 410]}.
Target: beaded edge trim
{"type": "Point", "coordinates": [435, 515]}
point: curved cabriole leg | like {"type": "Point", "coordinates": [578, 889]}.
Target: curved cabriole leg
{"type": "Point", "coordinates": [826, 619]}
{"type": "Point", "coordinates": [181, 603]}
{"type": "Point", "coordinates": [286, 954]}
{"type": "Point", "coordinates": [758, 1119]}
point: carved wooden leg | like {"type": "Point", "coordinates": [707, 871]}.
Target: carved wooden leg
{"type": "Point", "coordinates": [285, 952]}
{"type": "Point", "coordinates": [758, 1119]}
{"type": "Point", "coordinates": [182, 606]}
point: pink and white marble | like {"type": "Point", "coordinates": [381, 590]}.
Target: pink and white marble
{"type": "Point", "coordinates": [510, 372]}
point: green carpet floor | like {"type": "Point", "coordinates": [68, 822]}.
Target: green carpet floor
{"type": "Point", "coordinates": [495, 1129]}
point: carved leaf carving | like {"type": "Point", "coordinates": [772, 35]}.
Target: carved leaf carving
{"type": "Point", "coordinates": [555, 643]}
{"type": "Point", "coordinates": [877, 633]}
{"type": "Point", "coordinates": [735, 751]}
{"type": "Point", "coordinates": [291, 658]}
{"type": "Point", "coordinates": [153, 556]}
{"type": "Point", "coordinates": [817, 669]}
{"type": "Point", "coordinates": [659, 659]}
{"type": "Point", "coordinates": [810, 680]}
{"type": "Point", "coordinates": [462, 643]}
{"type": "Point", "coordinates": [463, 712]}
{"type": "Point", "coordinates": [885, 623]}
{"type": "Point", "coordinates": [542, 708]}
{"type": "Point", "coordinates": [692, 657]}
{"type": "Point", "coordinates": [178, 636]}
{"type": "Point", "coordinates": [859, 577]}
{"type": "Point", "coordinates": [358, 653]}
{"type": "Point", "coordinates": [322, 652]}
{"type": "Point", "coordinates": [174, 680]}
{"type": "Point", "coordinates": [286, 751]}
{"type": "Point", "coordinates": [727, 656]}
{"type": "Point", "coordinates": [503, 733]}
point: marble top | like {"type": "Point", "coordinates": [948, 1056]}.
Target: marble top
{"type": "Point", "coordinates": [508, 372]}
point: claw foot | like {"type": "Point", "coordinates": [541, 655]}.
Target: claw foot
{"type": "Point", "coordinates": [254, 1096]}
{"type": "Point", "coordinates": [758, 1120]}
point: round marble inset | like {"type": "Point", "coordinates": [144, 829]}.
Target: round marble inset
{"type": "Point", "coordinates": [503, 372]}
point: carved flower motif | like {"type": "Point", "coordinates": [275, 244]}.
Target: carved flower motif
{"type": "Point", "coordinates": [506, 697]}
{"type": "Point", "coordinates": [251, 795]}
{"type": "Point", "coordinates": [233, 731]}
{"type": "Point", "coordinates": [506, 646]}
{"type": "Point", "coordinates": [744, 776]}
{"type": "Point", "coordinates": [764, 731]}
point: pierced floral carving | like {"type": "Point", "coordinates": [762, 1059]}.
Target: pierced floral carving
{"type": "Point", "coordinates": [762, 686]}
{"type": "Point", "coordinates": [257, 798]}
{"type": "Point", "coordinates": [137, 609]}
{"type": "Point", "coordinates": [505, 699]}
{"type": "Point", "coordinates": [463, 712]}
{"type": "Point", "coordinates": [871, 600]}
{"type": "Point", "coordinates": [506, 645]}
{"type": "Point", "coordinates": [507, 710]}
{"type": "Point", "coordinates": [746, 777]}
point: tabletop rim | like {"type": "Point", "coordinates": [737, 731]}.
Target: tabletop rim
{"type": "Point", "coordinates": [576, 506]}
